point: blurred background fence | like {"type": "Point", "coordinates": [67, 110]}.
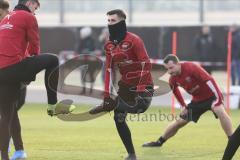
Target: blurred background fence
{"type": "Point", "coordinates": [140, 12]}
{"type": "Point", "coordinates": [158, 40]}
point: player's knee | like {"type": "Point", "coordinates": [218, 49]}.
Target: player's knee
{"type": "Point", "coordinates": [54, 59]}
{"type": "Point", "coordinates": [51, 59]}
{"type": "Point", "coordinates": [219, 110]}
{"type": "Point", "coordinates": [5, 120]}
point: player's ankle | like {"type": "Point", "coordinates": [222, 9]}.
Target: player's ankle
{"type": "Point", "coordinates": [131, 156]}
{"type": "Point", "coordinates": [51, 106]}
{"type": "Point", "coordinates": [162, 140]}
{"type": "Point", "coordinates": [4, 155]}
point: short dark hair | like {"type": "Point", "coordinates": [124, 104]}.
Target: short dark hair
{"type": "Point", "coordinates": [25, 1]}
{"type": "Point", "coordinates": [120, 13]}
{"type": "Point", "coordinates": [4, 4]}
{"type": "Point", "coordinates": [170, 57]}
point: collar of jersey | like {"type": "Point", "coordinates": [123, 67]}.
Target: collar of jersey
{"type": "Point", "coordinates": [22, 7]}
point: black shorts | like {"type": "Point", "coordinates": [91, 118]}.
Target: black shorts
{"type": "Point", "coordinates": [196, 109]}
{"type": "Point", "coordinates": [130, 101]}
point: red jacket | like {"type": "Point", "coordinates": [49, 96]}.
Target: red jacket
{"type": "Point", "coordinates": [132, 60]}
{"type": "Point", "coordinates": [19, 37]}
{"type": "Point", "coordinates": [193, 79]}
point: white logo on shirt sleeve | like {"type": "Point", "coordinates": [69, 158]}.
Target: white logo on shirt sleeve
{"type": "Point", "coordinates": [6, 26]}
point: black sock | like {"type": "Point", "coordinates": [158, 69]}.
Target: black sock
{"type": "Point", "coordinates": [124, 131]}
{"type": "Point", "coordinates": [233, 145]}
{"type": "Point", "coordinates": [161, 140]}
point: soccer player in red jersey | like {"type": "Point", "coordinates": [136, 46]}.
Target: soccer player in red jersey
{"type": "Point", "coordinates": [206, 96]}
{"type": "Point", "coordinates": [20, 61]}
{"type": "Point", "coordinates": [126, 51]}
{"type": "Point", "coordinates": [15, 127]}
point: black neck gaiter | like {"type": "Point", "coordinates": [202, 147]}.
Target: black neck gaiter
{"type": "Point", "coordinates": [117, 31]}
{"type": "Point", "coordinates": [22, 7]}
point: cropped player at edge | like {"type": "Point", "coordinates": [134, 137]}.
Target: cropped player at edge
{"type": "Point", "coordinates": [20, 62]}
{"type": "Point", "coordinates": [206, 96]}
